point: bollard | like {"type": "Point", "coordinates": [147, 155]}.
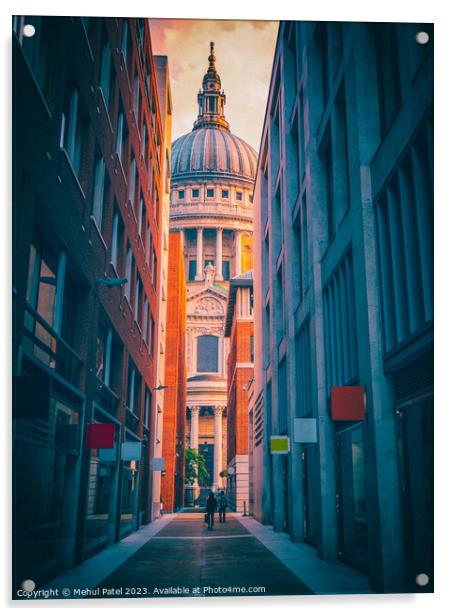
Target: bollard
{"type": "Point", "coordinates": [244, 509]}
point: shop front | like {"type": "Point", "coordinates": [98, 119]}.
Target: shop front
{"type": "Point", "coordinates": [351, 503]}
{"type": "Point", "coordinates": [46, 476]}
{"type": "Point", "coordinates": [101, 511]}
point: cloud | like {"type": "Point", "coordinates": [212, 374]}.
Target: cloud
{"type": "Point", "coordinates": [244, 52]}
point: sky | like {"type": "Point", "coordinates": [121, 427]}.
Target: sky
{"type": "Point", "coordinates": [244, 56]}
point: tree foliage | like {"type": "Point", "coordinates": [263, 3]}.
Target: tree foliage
{"type": "Point", "coordinates": [195, 466]}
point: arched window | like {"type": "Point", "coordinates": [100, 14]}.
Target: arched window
{"type": "Point", "coordinates": [207, 355]}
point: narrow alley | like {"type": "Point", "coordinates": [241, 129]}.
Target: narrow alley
{"type": "Point", "coordinates": [178, 556]}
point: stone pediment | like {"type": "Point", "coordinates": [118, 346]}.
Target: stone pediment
{"type": "Point", "coordinates": [207, 302]}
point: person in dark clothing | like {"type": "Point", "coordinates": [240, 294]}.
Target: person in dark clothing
{"type": "Point", "coordinates": [222, 504]}
{"type": "Point", "coordinates": [211, 506]}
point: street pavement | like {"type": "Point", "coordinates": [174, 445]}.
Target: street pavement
{"type": "Point", "coordinates": [186, 559]}
{"type": "Point", "coordinates": [177, 556]}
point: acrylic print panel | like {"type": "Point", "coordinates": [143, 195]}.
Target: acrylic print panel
{"type": "Point", "coordinates": [223, 309]}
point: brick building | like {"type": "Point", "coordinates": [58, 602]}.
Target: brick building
{"type": "Point", "coordinates": [343, 274]}
{"type": "Point", "coordinates": [239, 330]}
{"type": "Point", "coordinates": [175, 380]}
{"type": "Point", "coordinates": [87, 180]}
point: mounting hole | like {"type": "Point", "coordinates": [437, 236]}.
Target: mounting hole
{"type": "Point", "coordinates": [422, 38]}
{"type": "Point", "coordinates": [422, 579]}
{"type": "Point", "coordinates": [29, 30]}
{"type": "Point", "coordinates": [28, 585]}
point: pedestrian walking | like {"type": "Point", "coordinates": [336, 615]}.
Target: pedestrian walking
{"type": "Point", "coordinates": [211, 506]}
{"type": "Point", "coordinates": [222, 504]}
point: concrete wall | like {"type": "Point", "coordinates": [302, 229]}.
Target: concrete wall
{"type": "Point", "coordinates": [321, 174]}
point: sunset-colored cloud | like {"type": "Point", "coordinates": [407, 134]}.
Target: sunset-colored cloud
{"type": "Point", "coordinates": [244, 52]}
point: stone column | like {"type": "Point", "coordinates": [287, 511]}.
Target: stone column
{"type": "Point", "coordinates": [199, 256]}
{"type": "Point", "coordinates": [219, 255]}
{"type": "Point", "coordinates": [238, 253]}
{"type": "Point", "coordinates": [218, 446]}
{"type": "Point", "coordinates": [194, 427]}
{"type": "Point", "coordinates": [194, 431]}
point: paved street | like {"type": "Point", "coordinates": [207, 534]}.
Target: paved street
{"type": "Point", "coordinates": [185, 554]}
{"type": "Point", "coordinates": [177, 556]}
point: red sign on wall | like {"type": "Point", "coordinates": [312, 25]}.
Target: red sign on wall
{"type": "Point", "coordinates": [347, 403]}
{"type": "Point", "coordinates": [100, 436]}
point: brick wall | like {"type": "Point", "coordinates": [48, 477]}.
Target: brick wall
{"type": "Point", "coordinates": [175, 380]}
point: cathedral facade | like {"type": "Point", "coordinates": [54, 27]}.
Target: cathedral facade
{"type": "Point", "coordinates": [212, 185]}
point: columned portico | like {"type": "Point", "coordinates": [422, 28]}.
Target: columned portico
{"type": "Point", "coordinates": [194, 427]}
{"type": "Point", "coordinates": [199, 253]}
{"type": "Point", "coordinates": [219, 255]}
{"type": "Point", "coordinates": [218, 447]}
{"type": "Point", "coordinates": [194, 436]}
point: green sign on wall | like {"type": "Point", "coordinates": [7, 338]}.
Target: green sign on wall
{"type": "Point", "coordinates": [279, 444]}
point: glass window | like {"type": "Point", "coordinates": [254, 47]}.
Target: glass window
{"type": "Point", "coordinates": [132, 180]}
{"type": "Point", "coordinates": [116, 249]}
{"type": "Point", "coordinates": [147, 407]}
{"type": "Point", "coordinates": [210, 193]}
{"type": "Point", "coordinates": [207, 354]}
{"type": "Point", "coordinates": [195, 193]}
{"type": "Point", "coordinates": [72, 129]}
{"type": "Point", "coordinates": [225, 194]}
{"type": "Point", "coordinates": [121, 139]}
{"type": "Point", "coordinates": [191, 270]}
{"type": "Point", "coordinates": [133, 389]}
{"type": "Point", "coordinates": [103, 354]}
{"type": "Point", "coordinates": [140, 31]}
{"type": "Point", "coordinates": [388, 71]}
{"type": "Point", "coordinates": [181, 194]}
{"type": "Point", "coordinates": [145, 319]}
{"type": "Point", "coordinates": [148, 244]}
{"type": "Point", "coordinates": [129, 261]}
{"type": "Point", "coordinates": [226, 270]}
{"type": "Point", "coordinates": [119, 132]}
{"type": "Point", "coordinates": [238, 195]}
{"type": "Point", "coordinates": [42, 282]}
{"type": "Point", "coordinates": [326, 154]}
{"type": "Point", "coordinates": [100, 190]}
{"type": "Point", "coordinates": [100, 513]}
{"type": "Point", "coordinates": [129, 490]}
{"type": "Point", "coordinates": [52, 295]}
{"type": "Point", "coordinates": [144, 141]}
{"type": "Point", "coordinates": [136, 95]}
{"type": "Point", "coordinates": [106, 72]}
{"type": "Point", "coordinates": [154, 269]}
{"type": "Point", "coordinates": [126, 45]}
{"type": "Point", "coordinates": [151, 335]}
{"type": "Point", "coordinates": [138, 301]}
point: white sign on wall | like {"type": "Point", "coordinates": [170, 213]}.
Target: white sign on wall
{"type": "Point", "coordinates": [304, 430]}
{"type": "Point", "coordinates": [158, 464]}
{"type": "Point", "coordinates": [131, 450]}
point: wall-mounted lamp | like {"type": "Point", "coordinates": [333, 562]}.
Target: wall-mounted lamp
{"type": "Point", "coordinates": [111, 282]}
